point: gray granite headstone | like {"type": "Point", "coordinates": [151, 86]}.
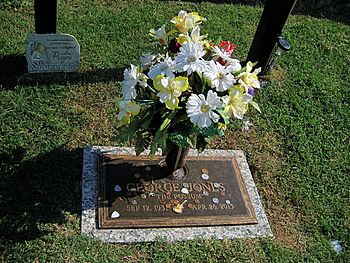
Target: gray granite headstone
{"type": "Point", "coordinates": [89, 219]}
{"type": "Point", "coordinates": [52, 53]}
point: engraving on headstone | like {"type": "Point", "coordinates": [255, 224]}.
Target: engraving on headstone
{"type": "Point", "coordinates": [52, 53]}
{"type": "Point", "coordinates": [92, 205]}
{"type": "Point", "coordinates": [152, 201]}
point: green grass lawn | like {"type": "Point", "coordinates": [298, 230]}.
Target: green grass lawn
{"type": "Point", "coordinates": [298, 149]}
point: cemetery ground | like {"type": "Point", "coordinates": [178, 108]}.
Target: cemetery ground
{"type": "Point", "coordinates": [298, 149]}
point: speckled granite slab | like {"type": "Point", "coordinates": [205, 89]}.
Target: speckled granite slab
{"type": "Point", "coordinates": [89, 206]}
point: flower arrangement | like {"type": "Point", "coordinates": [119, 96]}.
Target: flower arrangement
{"type": "Point", "coordinates": [186, 91]}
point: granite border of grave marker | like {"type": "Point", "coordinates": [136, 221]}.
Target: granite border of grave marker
{"type": "Point", "coordinates": [89, 218]}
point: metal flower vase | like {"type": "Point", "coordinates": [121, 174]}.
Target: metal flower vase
{"type": "Point", "coordinates": [175, 162]}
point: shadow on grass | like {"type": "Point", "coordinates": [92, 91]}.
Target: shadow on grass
{"type": "Point", "coordinates": [234, 2]}
{"type": "Point", "coordinates": [12, 68]}
{"type": "Point", "coordinates": [337, 10]}
{"type": "Point", "coordinates": [14, 73]}
{"type": "Point", "coordinates": [37, 191]}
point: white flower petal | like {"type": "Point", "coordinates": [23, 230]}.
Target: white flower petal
{"type": "Point", "coordinates": [214, 116]}
{"type": "Point", "coordinates": [220, 77]}
{"type": "Point", "coordinates": [190, 58]}
{"type": "Point", "coordinates": [200, 109]}
{"type": "Point", "coordinates": [129, 92]}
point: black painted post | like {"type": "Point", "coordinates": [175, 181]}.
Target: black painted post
{"type": "Point", "coordinates": [270, 27]}
{"type": "Point", "coordinates": [45, 16]}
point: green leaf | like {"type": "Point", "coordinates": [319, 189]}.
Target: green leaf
{"type": "Point", "coordinates": [159, 140]}
{"type": "Point", "coordinates": [255, 106]}
{"type": "Point", "coordinates": [195, 82]}
{"type": "Point", "coordinates": [225, 118]}
{"type": "Point", "coordinates": [145, 102]}
{"type": "Point", "coordinates": [239, 71]}
{"type": "Point", "coordinates": [201, 143]}
{"type": "Point", "coordinates": [208, 140]}
{"type": "Point", "coordinates": [152, 89]}
{"type": "Point", "coordinates": [146, 120]}
{"type": "Point", "coordinates": [167, 120]}
{"type": "Point", "coordinates": [126, 133]}
{"type": "Point", "coordinates": [203, 82]}
{"type": "Point", "coordinates": [180, 118]}
{"type": "Point", "coordinates": [165, 124]}
{"type": "Point", "coordinates": [153, 149]}
{"type": "Point", "coordinates": [210, 131]}
{"type": "Point", "coordinates": [142, 142]}
{"type": "Point", "coordinates": [180, 139]}
{"type": "Point", "coordinates": [192, 140]}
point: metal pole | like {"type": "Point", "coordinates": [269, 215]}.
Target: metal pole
{"type": "Point", "coordinates": [45, 16]}
{"type": "Point", "coordinates": [270, 27]}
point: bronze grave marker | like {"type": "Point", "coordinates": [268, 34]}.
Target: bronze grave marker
{"type": "Point", "coordinates": [133, 194]}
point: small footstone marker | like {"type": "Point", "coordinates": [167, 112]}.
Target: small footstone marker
{"type": "Point", "coordinates": [52, 53]}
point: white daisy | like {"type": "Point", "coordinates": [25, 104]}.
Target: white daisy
{"type": "Point", "coordinates": [165, 68]}
{"type": "Point", "coordinates": [147, 60]}
{"type": "Point", "coordinates": [132, 77]}
{"type": "Point", "coordinates": [200, 109]}
{"type": "Point", "coordinates": [190, 58]}
{"type": "Point", "coordinates": [227, 60]}
{"type": "Point", "coordinates": [220, 77]}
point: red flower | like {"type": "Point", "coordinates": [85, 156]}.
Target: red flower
{"type": "Point", "coordinates": [227, 47]}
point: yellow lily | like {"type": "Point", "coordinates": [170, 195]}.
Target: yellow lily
{"type": "Point", "coordinates": [185, 21]}
{"type": "Point", "coordinates": [127, 109]}
{"type": "Point", "coordinates": [236, 103]}
{"type": "Point", "coordinates": [160, 35]}
{"type": "Point", "coordinates": [195, 37]}
{"type": "Point", "coordinates": [250, 78]}
{"type": "Point", "coordinates": [170, 89]}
